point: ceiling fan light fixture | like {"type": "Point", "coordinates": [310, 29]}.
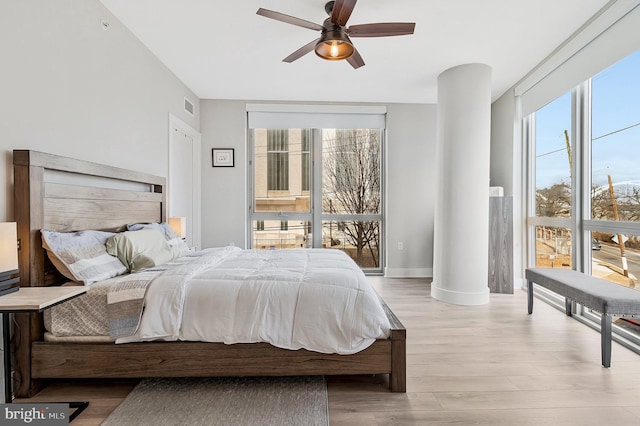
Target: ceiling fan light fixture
{"type": "Point", "coordinates": [334, 46]}
{"type": "Point", "coordinates": [334, 43]}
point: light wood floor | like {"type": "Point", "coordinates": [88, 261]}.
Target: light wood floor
{"type": "Point", "coordinates": [482, 365]}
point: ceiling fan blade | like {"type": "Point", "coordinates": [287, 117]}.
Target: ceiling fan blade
{"type": "Point", "coordinates": [355, 60]}
{"type": "Point", "coordinates": [342, 11]}
{"type": "Point", "coordinates": [289, 19]}
{"type": "Point", "coordinates": [382, 29]}
{"type": "Point", "coordinates": [302, 51]}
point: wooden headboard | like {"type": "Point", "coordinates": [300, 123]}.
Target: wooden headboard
{"type": "Point", "coordinates": [64, 194]}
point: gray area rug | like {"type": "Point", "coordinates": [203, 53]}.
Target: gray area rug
{"type": "Point", "coordinates": [225, 401]}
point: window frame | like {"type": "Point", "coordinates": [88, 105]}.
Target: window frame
{"type": "Point", "coordinates": [581, 222]}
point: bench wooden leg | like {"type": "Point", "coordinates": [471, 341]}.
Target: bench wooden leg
{"type": "Point", "coordinates": [605, 336]}
{"type": "Point", "coordinates": [568, 306]}
{"type": "Point", "coordinates": [530, 296]}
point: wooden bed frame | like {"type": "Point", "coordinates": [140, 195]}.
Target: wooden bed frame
{"type": "Point", "coordinates": [47, 195]}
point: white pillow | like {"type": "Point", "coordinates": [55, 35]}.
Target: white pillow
{"type": "Point", "coordinates": [82, 256]}
{"type": "Point", "coordinates": [179, 247]}
{"type": "Point", "coordinates": [177, 244]}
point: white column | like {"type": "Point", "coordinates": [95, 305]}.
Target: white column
{"type": "Point", "coordinates": [461, 240]}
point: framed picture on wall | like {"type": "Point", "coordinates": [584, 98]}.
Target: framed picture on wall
{"type": "Point", "coordinates": [223, 157]}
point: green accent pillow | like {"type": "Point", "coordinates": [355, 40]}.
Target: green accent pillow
{"type": "Point", "coordinates": [141, 249]}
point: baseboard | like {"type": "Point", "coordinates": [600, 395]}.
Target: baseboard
{"type": "Point", "coordinates": [464, 298]}
{"type": "Point", "coordinates": [408, 272]}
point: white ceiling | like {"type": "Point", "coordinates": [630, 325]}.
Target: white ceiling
{"type": "Point", "coordinates": [223, 50]}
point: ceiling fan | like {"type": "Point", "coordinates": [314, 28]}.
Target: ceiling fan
{"type": "Point", "coordinates": [334, 42]}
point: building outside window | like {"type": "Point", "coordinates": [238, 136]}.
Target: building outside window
{"type": "Point", "coordinates": [278, 159]}
{"type": "Point", "coordinates": [305, 175]}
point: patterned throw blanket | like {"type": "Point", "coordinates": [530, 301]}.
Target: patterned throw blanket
{"type": "Point", "coordinates": [126, 297]}
{"type": "Point", "coordinates": [125, 302]}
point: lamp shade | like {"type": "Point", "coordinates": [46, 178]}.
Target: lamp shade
{"type": "Point", "coordinates": [334, 45]}
{"type": "Point", "coordinates": [179, 225]}
{"type": "Point", "coordinates": [8, 247]}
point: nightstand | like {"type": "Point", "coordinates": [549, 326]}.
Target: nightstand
{"type": "Point", "coordinates": [32, 300]}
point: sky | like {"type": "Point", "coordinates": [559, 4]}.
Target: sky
{"type": "Point", "coordinates": [615, 106]}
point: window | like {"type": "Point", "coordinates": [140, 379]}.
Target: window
{"type": "Point", "coordinates": [553, 158]}
{"type": "Point", "coordinates": [615, 175]}
{"type": "Point", "coordinates": [351, 181]}
{"type": "Point", "coordinates": [585, 187]}
{"type": "Point", "coordinates": [279, 171]}
{"type": "Point", "coordinates": [279, 176]}
{"type": "Point", "coordinates": [279, 234]}
{"type": "Point", "coordinates": [615, 142]}
{"type": "Point", "coordinates": [347, 191]}
{"type": "Point", "coordinates": [551, 216]}
{"type": "Point", "coordinates": [553, 247]}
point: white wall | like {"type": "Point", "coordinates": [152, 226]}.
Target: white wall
{"type": "Point", "coordinates": [224, 199]}
{"type": "Point", "coordinates": [410, 194]}
{"type": "Point", "coordinates": [502, 143]}
{"type": "Point", "coordinates": [71, 88]}
{"type": "Point", "coordinates": [410, 189]}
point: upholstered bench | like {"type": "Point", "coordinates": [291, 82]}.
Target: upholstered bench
{"type": "Point", "coordinates": [603, 296]}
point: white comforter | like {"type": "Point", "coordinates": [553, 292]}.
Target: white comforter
{"type": "Point", "coordinates": [317, 299]}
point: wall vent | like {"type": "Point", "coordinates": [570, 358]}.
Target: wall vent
{"type": "Point", "coordinates": [188, 106]}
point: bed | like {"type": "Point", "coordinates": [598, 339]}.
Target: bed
{"type": "Point", "coordinates": [65, 194]}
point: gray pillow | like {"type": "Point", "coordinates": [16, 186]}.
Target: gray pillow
{"type": "Point", "coordinates": [162, 227]}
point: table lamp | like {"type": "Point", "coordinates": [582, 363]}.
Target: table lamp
{"type": "Point", "coordinates": [179, 226]}
{"type": "Point", "coordinates": [9, 278]}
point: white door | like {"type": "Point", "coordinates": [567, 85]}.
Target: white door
{"type": "Point", "coordinates": [184, 177]}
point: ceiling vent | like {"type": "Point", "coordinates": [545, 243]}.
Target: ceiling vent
{"type": "Point", "coordinates": [188, 106]}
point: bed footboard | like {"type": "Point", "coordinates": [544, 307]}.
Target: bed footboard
{"type": "Point", "coordinates": [199, 359]}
